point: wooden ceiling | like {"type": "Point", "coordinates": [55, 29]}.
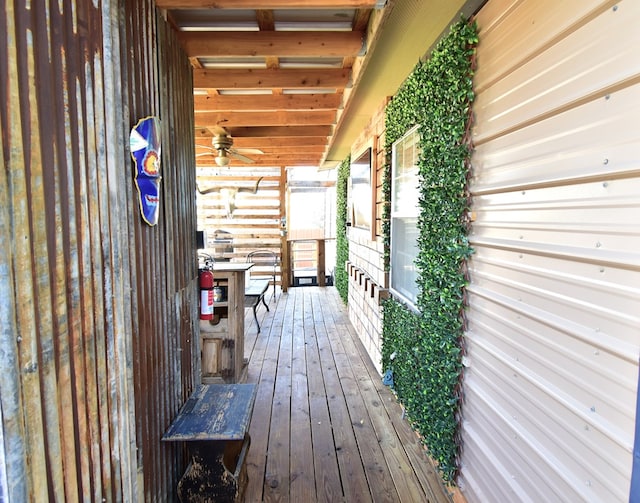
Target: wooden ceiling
{"type": "Point", "coordinates": [277, 74]}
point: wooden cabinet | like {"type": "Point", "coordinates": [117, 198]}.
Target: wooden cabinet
{"type": "Point", "coordinates": [222, 339]}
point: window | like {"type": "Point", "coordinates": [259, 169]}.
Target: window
{"type": "Point", "coordinates": [361, 190]}
{"type": "Point", "coordinates": [404, 215]}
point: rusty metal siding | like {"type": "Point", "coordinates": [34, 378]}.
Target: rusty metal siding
{"type": "Point", "coordinates": [98, 309]}
{"type": "Point", "coordinates": [552, 341]}
{"type": "Point", "coordinates": [166, 305]}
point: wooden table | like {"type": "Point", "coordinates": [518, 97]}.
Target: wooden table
{"type": "Point", "coordinates": [215, 422]}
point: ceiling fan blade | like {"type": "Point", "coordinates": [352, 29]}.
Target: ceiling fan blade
{"type": "Point", "coordinates": [237, 155]}
{"type": "Point", "coordinates": [249, 151]}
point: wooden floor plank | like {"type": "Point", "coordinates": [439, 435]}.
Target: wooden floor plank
{"type": "Point", "coordinates": [277, 476]}
{"type": "Point", "coordinates": [354, 481]}
{"type": "Point", "coordinates": [303, 485]}
{"type": "Point", "coordinates": [399, 466]}
{"type": "Point", "coordinates": [327, 472]}
{"type": "Point", "coordinates": [378, 477]}
{"type": "Point", "coordinates": [262, 371]}
{"type": "Point", "coordinates": [425, 472]}
{"type": "Point", "coordinates": [324, 427]}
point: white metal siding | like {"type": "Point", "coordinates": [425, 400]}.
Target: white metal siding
{"type": "Point", "coordinates": [553, 339]}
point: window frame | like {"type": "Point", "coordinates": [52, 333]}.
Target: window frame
{"type": "Point", "coordinates": [406, 215]}
{"type": "Point", "coordinates": [360, 183]}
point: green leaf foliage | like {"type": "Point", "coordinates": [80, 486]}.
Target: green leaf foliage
{"type": "Point", "coordinates": [342, 243]}
{"type": "Point", "coordinates": [424, 347]}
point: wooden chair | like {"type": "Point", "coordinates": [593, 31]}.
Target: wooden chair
{"type": "Point", "coordinates": [265, 266]}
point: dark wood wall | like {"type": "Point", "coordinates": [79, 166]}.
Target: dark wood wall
{"type": "Point", "coordinates": [98, 309]}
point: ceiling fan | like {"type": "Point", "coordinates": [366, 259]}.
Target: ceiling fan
{"type": "Point", "coordinates": [223, 143]}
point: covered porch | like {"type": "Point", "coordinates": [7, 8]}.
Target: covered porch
{"type": "Point", "coordinates": [324, 427]}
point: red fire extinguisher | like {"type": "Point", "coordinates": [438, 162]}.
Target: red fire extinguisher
{"type": "Point", "coordinates": [205, 278]}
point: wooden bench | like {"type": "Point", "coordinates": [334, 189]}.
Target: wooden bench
{"type": "Point", "coordinates": [215, 423]}
{"type": "Point", "coordinates": [253, 294]}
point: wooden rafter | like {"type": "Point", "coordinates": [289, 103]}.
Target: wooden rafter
{"type": "Point", "coordinates": [275, 131]}
{"type": "Point", "coordinates": [272, 118]}
{"type": "Point", "coordinates": [258, 103]}
{"type": "Point", "coordinates": [311, 143]}
{"type": "Point", "coordinates": [294, 78]}
{"type": "Point", "coordinates": [285, 159]}
{"type": "Point", "coordinates": [272, 43]}
{"type": "Point", "coordinates": [276, 74]}
{"type": "Point", "coordinates": [274, 4]}
{"type": "Point", "coordinates": [265, 19]}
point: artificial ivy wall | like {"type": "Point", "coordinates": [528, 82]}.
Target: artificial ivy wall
{"type": "Point", "coordinates": [342, 243]}
{"type": "Point", "coordinates": [424, 348]}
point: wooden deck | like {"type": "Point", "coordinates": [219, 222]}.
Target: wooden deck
{"type": "Point", "coordinates": [324, 427]}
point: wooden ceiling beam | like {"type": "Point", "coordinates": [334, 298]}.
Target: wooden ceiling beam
{"type": "Point", "coordinates": [264, 162]}
{"type": "Point", "coordinates": [315, 151]}
{"type": "Point", "coordinates": [272, 43]}
{"type": "Point", "coordinates": [238, 133]}
{"type": "Point", "coordinates": [270, 4]}
{"type": "Point", "coordinates": [275, 131]}
{"type": "Point", "coordinates": [361, 19]}
{"type": "Point", "coordinates": [266, 20]}
{"type": "Point", "coordinates": [286, 78]}
{"type": "Point", "coordinates": [265, 158]}
{"type": "Point", "coordinates": [237, 103]}
{"type": "Point", "coordinates": [271, 118]}
{"type": "Point", "coordinates": [284, 142]}
{"type": "Point", "coordinates": [302, 152]}
{"type": "Point", "coordinates": [268, 163]}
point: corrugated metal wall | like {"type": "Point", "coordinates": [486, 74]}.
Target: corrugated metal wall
{"type": "Point", "coordinates": [553, 340]}
{"type": "Point", "coordinates": [97, 308]}
{"type": "Point", "coordinates": [165, 350]}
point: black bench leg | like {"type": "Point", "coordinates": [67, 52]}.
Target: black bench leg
{"type": "Point", "coordinates": [255, 316]}
{"type": "Point", "coordinates": [265, 304]}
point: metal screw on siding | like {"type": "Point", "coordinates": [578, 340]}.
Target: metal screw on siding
{"type": "Point", "coordinates": [605, 162]}
{"type": "Point", "coordinates": [598, 244]}
{"type": "Point", "coordinates": [607, 96]}
{"type": "Point", "coordinates": [593, 408]}
{"type": "Point", "coordinates": [615, 8]}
